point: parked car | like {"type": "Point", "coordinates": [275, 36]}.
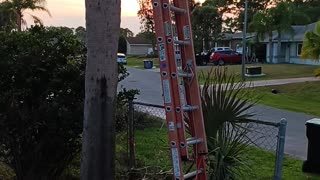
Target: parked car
{"type": "Point", "coordinates": [227, 56]}
{"type": "Point", "coordinates": [121, 58]}
{"type": "Point", "coordinates": [221, 49]}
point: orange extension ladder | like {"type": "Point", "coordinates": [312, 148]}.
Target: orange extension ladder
{"type": "Point", "coordinates": [180, 87]}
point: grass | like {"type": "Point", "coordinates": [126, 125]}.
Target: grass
{"type": "Point", "coordinates": [137, 62]}
{"type": "Point", "coordinates": [297, 97]}
{"type": "Point", "coordinates": [152, 150]}
{"type": "Point", "coordinates": [262, 163]}
{"type": "Point", "coordinates": [272, 71]}
{"type": "Point", "coordinates": [153, 159]}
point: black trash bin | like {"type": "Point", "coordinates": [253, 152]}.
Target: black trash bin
{"type": "Point", "coordinates": [312, 164]}
{"type": "Point", "coordinates": [148, 64]}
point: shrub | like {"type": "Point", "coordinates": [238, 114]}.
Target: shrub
{"type": "Point", "coordinates": [41, 101]}
{"type": "Point", "coordinates": [225, 103]}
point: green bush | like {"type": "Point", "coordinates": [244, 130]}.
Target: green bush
{"type": "Point", "coordinates": [225, 103]}
{"type": "Point", "coordinates": [41, 101]}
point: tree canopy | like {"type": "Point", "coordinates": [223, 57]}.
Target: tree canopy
{"type": "Point", "coordinates": [206, 26]}
{"type": "Point", "coordinates": [17, 8]}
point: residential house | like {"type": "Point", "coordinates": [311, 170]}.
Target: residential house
{"type": "Point", "coordinates": [290, 51]}
{"type": "Point", "coordinates": [234, 40]}
{"type": "Point", "coordinates": [291, 45]}
{"type": "Point", "coordinates": [138, 46]}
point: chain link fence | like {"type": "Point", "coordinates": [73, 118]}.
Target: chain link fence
{"type": "Point", "coordinates": [265, 135]}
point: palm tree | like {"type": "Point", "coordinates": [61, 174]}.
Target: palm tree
{"type": "Point", "coordinates": [98, 147]}
{"type": "Point", "coordinates": [283, 15]}
{"type": "Point", "coordinates": [263, 24]}
{"type": "Point", "coordinates": [6, 20]}
{"type": "Point", "coordinates": [280, 19]}
{"type": "Point", "coordinates": [18, 8]}
{"type": "Point", "coordinates": [311, 44]}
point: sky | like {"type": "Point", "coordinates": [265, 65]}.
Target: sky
{"type": "Point", "coordinates": [71, 13]}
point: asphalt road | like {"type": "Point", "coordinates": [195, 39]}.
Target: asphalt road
{"type": "Point", "coordinates": [148, 82]}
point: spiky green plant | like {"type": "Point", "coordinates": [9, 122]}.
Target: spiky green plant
{"type": "Point", "coordinates": [226, 102]}
{"type": "Point", "coordinates": [226, 161]}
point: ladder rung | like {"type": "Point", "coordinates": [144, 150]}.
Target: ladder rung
{"type": "Point", "coordinates": [191, 141]}
{"type": "Point", "coordinates": [185, 75]}
{"type": "Point", "coordinates": [179, 42]}
{"type": "Point", "coordinates": [189, 108]}
{"type": "Point", "coordinates": [192, 174]}
{"type": "Point", "coordinates": [177, 10]}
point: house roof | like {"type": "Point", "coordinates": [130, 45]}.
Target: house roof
{"type": "Point", "coordinates": [296, 36]}
{"type": "Point", "coordinates": [236, 36]}
{"type": "Point", "coordinates": [138, 40]}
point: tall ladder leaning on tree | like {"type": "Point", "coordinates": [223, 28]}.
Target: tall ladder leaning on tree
{"type": "Point", "coordinates": [180, 87]}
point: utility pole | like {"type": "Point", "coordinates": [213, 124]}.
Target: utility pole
{"type": "Point", "coordinates": [244, 48]}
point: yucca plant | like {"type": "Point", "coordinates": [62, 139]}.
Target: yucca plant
{"type": "Point", "coordinates": [226, 102]}
{"type": "Point", "coordinates": [226, 161]}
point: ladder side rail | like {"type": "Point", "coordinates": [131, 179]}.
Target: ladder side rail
{"type": "Point", "coordinates": [196, 121]}
{"type": "Point", "coordinates": [167, 90]}
{"type": "Point", "coordinates": [191, 87]}
{"type": "Point", "coordinates": [175, 79]}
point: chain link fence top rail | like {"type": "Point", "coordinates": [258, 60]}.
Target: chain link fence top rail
{"type": "Point", "coordinates": [261, 134]}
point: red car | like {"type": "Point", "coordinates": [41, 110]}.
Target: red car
{"type": "Point", "coordinates": [223, 57]}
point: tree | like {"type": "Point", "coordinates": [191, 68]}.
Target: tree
{"type": "Point", "coordinates": [17, 7]}
{"type": "Point", "coordinates": [81, 33]}
{"type": "Point", "coordinates": [6, 20]}
{"type": "Point", "coordinates": [125, 32]}
{"type": "Point", "coordinates": [311, 9]}
{"type": "Point", "coordinates": [206, 26]}
{"type": "Point", "coordinates": [280, 19]}
{"type": "Point", "coordinates": [98, 147]}
{"type": "Point", "coordinates": [236, 8]}
{"type": "Point", "coordinates": [263, 24]}
{"type": "Point", "coordinates": [122, 46]}
{"type": "Point", "coordinates": [311, 44]}
{"type": "Point", "coordinates": [284, 15]}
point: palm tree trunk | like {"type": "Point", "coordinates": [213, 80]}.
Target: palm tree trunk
{"type": "Point", "coordinates": [19, 21]}
{"type": "Point", "coordinates": [279, 46]}
{"type": "Point", "coordinates": [270, 48]}
{"type": "Point", "coordinates": [98, 148]}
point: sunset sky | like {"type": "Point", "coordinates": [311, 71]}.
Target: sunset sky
{"type": "Point", "coordinates": [71, 13]}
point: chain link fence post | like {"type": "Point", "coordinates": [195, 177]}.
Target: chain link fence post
{"type": "Point", "coordinates": [280, 149]}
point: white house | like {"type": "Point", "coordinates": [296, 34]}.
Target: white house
{"type": "Point", "coordinates": [138, 46]}
{"type": "Point", "coordinates": [291, 45]}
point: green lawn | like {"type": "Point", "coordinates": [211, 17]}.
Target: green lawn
{"type": "Point", "coordinates": [273, 71]}
{"type": "Point", "coordinates": [137, 62]}
{"type": "Point", "coordinates": [298, 97]}
{"type": "Point", "coordinates": [152, 150]}
{"type": "Point", "coordinates": [153, 159]}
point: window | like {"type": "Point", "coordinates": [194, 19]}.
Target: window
{"type": "Point", "coordinates": [299, 47]}
{"type": "Point", "coordinates": [225, 52]}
